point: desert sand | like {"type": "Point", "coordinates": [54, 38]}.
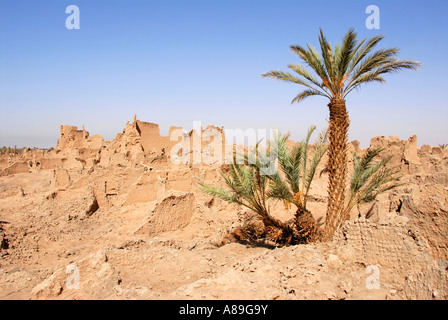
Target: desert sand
{"type": "Point", "coordinates": [135, 226]}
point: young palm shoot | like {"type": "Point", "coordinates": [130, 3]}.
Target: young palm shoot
{"type": "Point", "coordinates": [247, 186]}
{"type": "Point", "coordinates": [370, 178]}
{"type": "Point", "coordinates": [293, 184]}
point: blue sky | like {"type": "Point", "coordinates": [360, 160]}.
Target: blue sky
{"type": "Point", "coordinates": [173, 62]}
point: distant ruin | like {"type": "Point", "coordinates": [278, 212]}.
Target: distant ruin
{"type": "Point", "coordinates": [140, 142]}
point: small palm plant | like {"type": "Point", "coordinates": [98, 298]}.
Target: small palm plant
{"type": "Point", "coordinates": [247, 185]}
{"type": "Point", "coordinates": [370, 178]}
{"type": "Point", "coordinates": [292, 185]}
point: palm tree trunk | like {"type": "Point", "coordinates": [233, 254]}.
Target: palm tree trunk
{"type": "Point", "coordinates": [306, 229]}
{"type": "Point", "coordinates": [337, 166]}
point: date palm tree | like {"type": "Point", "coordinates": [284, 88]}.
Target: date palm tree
{"type": "Point", "coordinates": [333, 74]}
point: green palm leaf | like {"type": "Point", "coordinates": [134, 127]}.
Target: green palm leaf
{"type": "Point", "coordinates": [370, 178]}
{"type": "Point", "coordinates": [312, 58]}
{"type": "Point", "coordinates": [340, 69]}
{"type": "Point", "coordinates": [346, 53]}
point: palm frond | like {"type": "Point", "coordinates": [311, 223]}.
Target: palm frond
{"type": "Point", "coordinates": [312, 58]}
{"type": "Point", "coordinates": [388, 65]}
{"type": "Point", "coordinates": [303, 72]}
{"type": "Point", "coordinates": [240, 180]}
{"type": "Point", "coordinates": [279, 189]}
{"type": "Point", "coordinates": [370, 63]}
{"type": "Point", "coordinates": [287, 77]}
{"type": "Point", "coordinates": [305, 144]}
{"type": "Point", "coordinates": [330, 65]}
{"type": "Point", "coordinates": [362, 50]}
{"type": "Point", "coordinates": [320, 148]}
{"type": "Point", "coordinates": [381, 179]}
{"type": "Point", "coordinates": [219, 193]}
{"type": "Point", "coordinates": [374, 60]}
{"type": "Point", "coordinates": [284, 158]}
{"type": "Point", "coordinates": [298, 154]}
{"type": "Point", "coordinates": [306, 94]}
{"type": "Point", "coordinates": [361, 168]}
{"type": "Point", "coordinates": [346, 53]}
{"type": "Point", "coordinates": [370, 179]}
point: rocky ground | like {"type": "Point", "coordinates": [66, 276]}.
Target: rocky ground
{"type": "Point", "coordinates": [131, 225]}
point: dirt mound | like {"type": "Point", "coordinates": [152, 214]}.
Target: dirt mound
{"type": "Point", "coordinates": [172, 213]}
{"type": "Point", "coordinates": [96, 276]}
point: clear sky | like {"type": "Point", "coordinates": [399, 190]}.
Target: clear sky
{"type": "Point", "coordinates": [173, 62]}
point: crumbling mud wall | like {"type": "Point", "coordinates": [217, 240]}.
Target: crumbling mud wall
{"type": "Point", "coordinates": [172, 213]}
{"type": "Point", "coordinates": [72, 138]}
{"type": "Point", "coordinates": [140, 143]}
